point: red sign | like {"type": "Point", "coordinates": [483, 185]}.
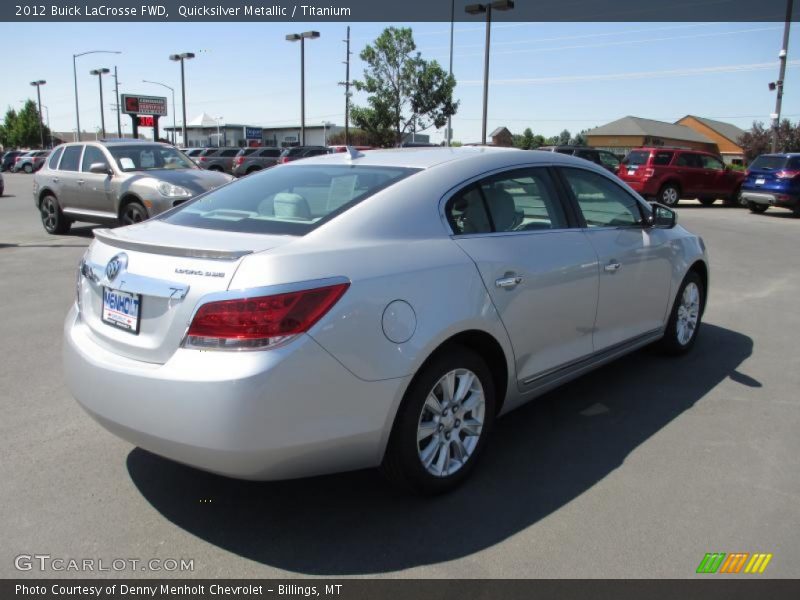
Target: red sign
{"type": "Point", "coordinates": [146, 121]}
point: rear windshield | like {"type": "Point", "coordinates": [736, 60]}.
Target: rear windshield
{"type": "Point", "coordinates": [286, 200]}
{"type": "Point", "coordinates": [246, 151]}
{"type": "Point", "coordinates": [775, 163]}
{"type": "Point", "coordinates": [636, 157]}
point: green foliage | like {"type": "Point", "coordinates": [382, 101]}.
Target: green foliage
{"type": "Point", "coordinates": [358, 137]}
{"type": "Point", "coordinates": [21, 129]}
{"type": "Point", "coordinates": [405, 92]}
{"type": "Point", "coordinates": [758, 140]}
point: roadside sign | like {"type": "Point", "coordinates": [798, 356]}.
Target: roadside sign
{"type": "Point", "coordinates": [253, 133]}
{"type": "Point", "coordinates": [144, 105]}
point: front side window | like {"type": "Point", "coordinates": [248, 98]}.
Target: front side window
{"type": "Point", "coordinates": [53, 162]}
{"type": "Point", "coordinates": [147, 157]}
{"type": "Point", "coordinates": [522, 200]}
{"type": "Point", "coordinates": [711, 162]}
{"type": "Point", "coordinates": [71, 159]}
{"type": "Point", "coordinates": [602, 202]}
{"type": "Point", "coordinates": [288, 200]}
{"type": "Point", "coordinates": [92, 155]}
{"type": "Point", "coordinates": [689, 160]}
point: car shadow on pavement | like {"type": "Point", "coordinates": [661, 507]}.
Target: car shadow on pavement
{"type": "Point", "coordinates": [537, 461]}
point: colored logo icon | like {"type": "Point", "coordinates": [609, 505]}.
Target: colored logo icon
{"type": "Point", "coordinates": [735, 562]}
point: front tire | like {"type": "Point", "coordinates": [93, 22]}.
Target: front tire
{"type": "Point", "coordinates": [132, 213]}
{"type": "Point", "coordinates": [757, 208]}
{"type": "Point", "coordinates": [442, 424]}
{"type": "Point", "coordinates": [669, 195]}
{"type": "Point", "coordinates": [687, 312]}
{"type": "Point", "coordinates": [53, 220]}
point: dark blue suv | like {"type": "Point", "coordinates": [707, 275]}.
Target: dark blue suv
{"type": "Point", "coordinates": [773, 180]}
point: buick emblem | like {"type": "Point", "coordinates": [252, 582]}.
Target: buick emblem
{"type": "Point", "coordinates": [115, 265]}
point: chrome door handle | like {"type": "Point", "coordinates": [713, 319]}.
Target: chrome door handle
{"type": "Point", "coordinates": [508, 282]}
{"type": "Point", "coordinates": [80, 181]}
{"type": "Point", "coordinates": [55, 179]}
{"type": "Point", "coordinates": [612, 267]}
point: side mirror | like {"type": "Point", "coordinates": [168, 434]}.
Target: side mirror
{"type": "Point", "coordinates": [99, 167]}
{"type": "Point", "coordinates": [662, 217]}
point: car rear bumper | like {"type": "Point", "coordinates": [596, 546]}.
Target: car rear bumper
{"type": "Point", "coordinates": [645, 188]}
{"type": "Point", "coordinates": [770, 199]}
{"type": "Point", "coordinates": [288, 412]}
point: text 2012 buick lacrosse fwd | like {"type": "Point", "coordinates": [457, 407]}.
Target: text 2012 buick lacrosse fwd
{"type": "Point", "coordinates": [357, 310]}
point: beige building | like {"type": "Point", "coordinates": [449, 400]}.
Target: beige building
{"type": "Point", "coordinates": [624, 134]}
{"type": "Point", "coordinates": [725, 135]}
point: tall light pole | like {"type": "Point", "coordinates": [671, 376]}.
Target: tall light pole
{"type": "Point", "coordinates": [49, 131]}
{"type": "Point", "coordinates": [39, 85]}
{"type": "Point", "coordinates": [100, 73]}
{"type": "Point", "coordinates": [219, 135]}
{"type": "Point", "coordinates": [449, 136]}
{"type": "Point", "coordinates": [476, 9]}
{"type": "Point", "coordinates": [116, 101]}
{"type": "Point", "coordinates": [778, 85]}
{"type": "Point", "coordinates": [75, 79]}
{"type": "Point", "coordinates": [174, 128]}
{"type": "Point", "coordinates": [301, 37]}
{"type": "Point", "coordinates": [183, 56]}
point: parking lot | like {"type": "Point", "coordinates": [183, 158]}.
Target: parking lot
{"type": "Point", "coordinates": [636, 470]}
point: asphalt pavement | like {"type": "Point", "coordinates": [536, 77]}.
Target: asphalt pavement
{"type": "Point", "coordinates": [635, 470]}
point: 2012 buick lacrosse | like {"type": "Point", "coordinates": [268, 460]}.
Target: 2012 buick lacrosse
{"type": "Point", "coordinates": [372, 309]}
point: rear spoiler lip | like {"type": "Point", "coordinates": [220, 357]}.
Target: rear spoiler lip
{"type": "Point", "coordinates": [107, 236]}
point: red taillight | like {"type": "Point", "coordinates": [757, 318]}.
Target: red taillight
{"type": "Point", "coordinates": [239, 160]}
{"type": "Point", "coordinates": [203, 159]}
{"type": "Point", "coordinates": [260, 322]}
{"type": "Point", "coordinates": [283, 160]}
{"type": "Point", "coordinates": [649, 172]}
{"type": "Point", "coordinates": [787, 174]}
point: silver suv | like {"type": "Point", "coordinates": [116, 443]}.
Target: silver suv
{"type": "Point", "coordinates": [124, 181]}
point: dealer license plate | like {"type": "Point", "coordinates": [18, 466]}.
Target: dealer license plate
{"type": "Point", "coordinates": [122, 310]}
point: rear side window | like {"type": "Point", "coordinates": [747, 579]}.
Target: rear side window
{"type": "Point", "coordinates": [794, 164]}
{"type": "Point", "coordinates": [71, 159]}
{"type": "Point", "coordinates": [687, 159]}
{"type": "Point", "coordinates": [769, 163]}
{"type": "Point", "coordinates": [711, 162]}
{"type": "Point", "coordinates": [53, 162]}
{"type": "Point", "coordinates": [663, 158]}
{"type": "Point", "coordinates": [270, 152]}
{"type": "Point", "coordinates": [226, 153]}
{"type": "Point", "coordinates": [522, 200]}
{"type": "Point", "coordinates": [637, 157]}
{"type": "Point", "coordinates": [602, 202]}
{"type": "Point", "coordinates": [565, 150]}
{"type": "Point", "coordinates": [286, 201]}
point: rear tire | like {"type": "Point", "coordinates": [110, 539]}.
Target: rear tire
{"type": "Point", "coordinates": [669, 195]}
{"type": "Point", "coordinates": [53, 220]}
{"type": "Point", "coordinates": [757, 208]}
{"type": "Point", "coordinates": [442, 424]}
{"type": "Point", "coordinates": [686, 316]}
{"type": "Point", "coordinates": [28, 168]}
{"type": "Point", "coordinates": [132, 213]}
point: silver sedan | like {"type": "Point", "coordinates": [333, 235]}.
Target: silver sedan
{"type": "Point", "coordinates": [372, 309]}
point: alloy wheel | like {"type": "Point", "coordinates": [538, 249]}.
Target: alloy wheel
{"type": "Point", "coordinates": [49, 213]}
{"type": "Point", "coordinates": [451, 422]}
{"type": "Point", "coordinates": [688, 313]}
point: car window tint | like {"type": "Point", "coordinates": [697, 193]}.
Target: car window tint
{"type": "Point", "coordinates": [523, 200]}
{"type": "Point", "coordinates": [637, 157]}
{"type": "Point", "coordinates": [92, 155]}
{"type": "Point", "coordinates": [71, 159]}
{"type": "Point", "coordinates": [662, 158]}
{"type": "Point", "coordinates": [229, 153]}
{"type": "Point", "coordinates": [711, 162]}
{"type": "Point", "coordinates": [466, 212]}
{"type": "Point", "coordinates": [53, 162]}
{"type": "Point", "coordinates": [602, 202]}
{"type": "Point", "coordinates": [794, 163]}
{"type": "Point", "coordinates": [609, 160]}
{"type": "Point", "coordinates": [270, 152]}
{"type": "Point", "coordinates": [689, 160]}
{"type": "Point", "coordinates": [565, 150]}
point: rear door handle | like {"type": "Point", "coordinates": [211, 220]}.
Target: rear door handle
{"type": "Point", "coordinates": [80, 181]}
{"type": "Point", "coordinates": [55, 179]}
{"type": "Point", "coordinates": [508, 282]}
{"type": "Point", "coordinates": [612, 267]}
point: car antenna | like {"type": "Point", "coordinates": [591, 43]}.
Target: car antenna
{"type": "Point", "coordinates": [353, 152]}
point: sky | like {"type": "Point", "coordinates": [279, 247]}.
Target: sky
{"type": "Point", "coordinates": [546, 76]}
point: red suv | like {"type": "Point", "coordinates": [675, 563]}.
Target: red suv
{"type": "Point", "coordinates": [669, 174]}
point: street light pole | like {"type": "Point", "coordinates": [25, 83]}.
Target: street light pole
{"type": "Point", "coordinates": [174, 128]}
{"type": "Point", "coordinates": [449, 137]}
{"type": "Point", "coordinates": [219, 135]}
{"type": "Point", "coordinates": [182, 57]}
{"type": "Point", "coordinates": [301, 37]}
{"type": "Point", "coordinates": [475, 9]}
{"type": "Point", "coordinates": [75, 79]}
{"type": "Point", "coordinates": [100, 73]}
{"type": "Point", "coordinates": [116, 96]}
{"type": "Point", "coordinates": [39, 85]}
{"type": "Point", "coordinates": [779, 84]}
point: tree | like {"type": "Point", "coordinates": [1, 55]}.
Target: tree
{"type": "Point", "coordinates": [759, 139]}
{"type": "Point", "coordinates": [405, 92]}
{"type": "Point", "coordinates": [579, 139]}
{"type": "Point", "coordinates": [358, 137]}
{"type": "Point", "coordinates": [21, 129]}
{"type": "Point", "coordinates": [564, 137]}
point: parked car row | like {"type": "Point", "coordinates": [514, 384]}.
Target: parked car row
{"type": "Point", "coordinates": [25, 161]}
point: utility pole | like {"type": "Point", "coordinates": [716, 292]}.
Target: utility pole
{"type": "Point", "coordinates": [346, 84]}
{"type": "Point", "coordinates": [779, 84]}
{"type": "Point", "coordinates": [449, 137]}
{"type": "Point", "coordinates": [116, 94]}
